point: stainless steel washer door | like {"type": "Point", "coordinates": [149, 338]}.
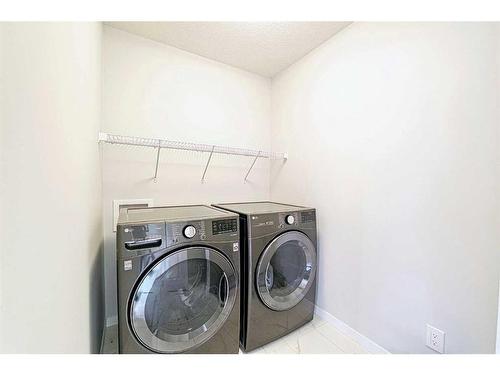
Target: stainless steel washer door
{"type": "Point", "coordinates": [183, 300]}
{"type": "Point", "coordinates": [286, 270]}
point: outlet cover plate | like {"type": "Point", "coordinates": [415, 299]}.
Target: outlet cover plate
{"type": "Point", "coordinates": [435, 339]}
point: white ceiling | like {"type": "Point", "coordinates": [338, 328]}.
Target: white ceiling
{"type": "Point", "coordinates": [265, 48]}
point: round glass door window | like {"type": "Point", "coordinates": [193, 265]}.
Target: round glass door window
{"type": "Point", "coordinates": [286, 270]}
{"type": "Point", "coordinates": [183, 300]}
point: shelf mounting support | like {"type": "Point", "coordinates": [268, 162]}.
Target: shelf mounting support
{"type": "Point", "coordinates": [253, 163]}
{"type": "Point", "coordinates": [157, 161]}
{"type": "Point", "coordinates": [206, 166]}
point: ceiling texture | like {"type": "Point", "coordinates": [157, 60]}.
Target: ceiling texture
{"type": "Point", "coordinates": [264, 48]}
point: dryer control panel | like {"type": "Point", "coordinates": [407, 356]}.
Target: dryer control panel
{"type": "Point", "coordinates": [271, 223]}
{"type": "Point", "coordinates": [289, 219]}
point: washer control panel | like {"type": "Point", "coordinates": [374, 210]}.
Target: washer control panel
{"type": "Point", "coordinates": [139, 239]}
{"type": "Point", "coordinates": [200, 230]}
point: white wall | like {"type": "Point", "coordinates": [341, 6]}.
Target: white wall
{"type": "Point", "coordinates": [152, 90]}
{"type": "Point", "coordinates": [2, 167]}
{"type": "Point", "coordinates": [50, 187]}
{"type": "Point", "coordinates": [497, 346]}
{"type": "Point", "coordinates": [393, 135]}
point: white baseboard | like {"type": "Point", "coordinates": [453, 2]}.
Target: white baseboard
{"type": "Point", "coordinates": [111, 320]}
{"type": "Point", "coordinates": [347, 330]}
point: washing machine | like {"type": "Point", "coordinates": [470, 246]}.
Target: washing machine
{"type": "Point", "coordinates": [178, 280]}
{"type": "Point", "coordinates": [278, 266]}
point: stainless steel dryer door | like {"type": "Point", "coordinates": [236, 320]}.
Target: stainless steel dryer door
{"type": "Point", "coordinates": [183, 300]}
{"type": "Point", "coordinates": [286, 270]}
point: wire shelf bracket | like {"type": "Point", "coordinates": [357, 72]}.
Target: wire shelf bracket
{"type": "Point", "coordinates": [249, 169]}
{"type": "Point", "coordinates": [157, 162]}
{"type": "Point", "coordinates": [206, 166]}
{"type": "Point", "coordinates": [188, 146]}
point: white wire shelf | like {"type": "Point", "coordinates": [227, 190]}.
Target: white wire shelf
{"type": "Point", "coordinates": [188, 146]}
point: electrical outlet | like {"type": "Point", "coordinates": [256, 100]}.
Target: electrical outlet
{"type": "Point", "coordinates": [435, 339]}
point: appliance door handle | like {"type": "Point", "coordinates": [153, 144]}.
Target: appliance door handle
{"type": "Point", "coordinates": [269, 277]}
{"type": "Point", "coordinates": [223, 284]}
{"type": "Point", "coordinates": [136, 245]}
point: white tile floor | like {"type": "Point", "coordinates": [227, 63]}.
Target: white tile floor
{"type": "Point", "coordinates": [316, 337]}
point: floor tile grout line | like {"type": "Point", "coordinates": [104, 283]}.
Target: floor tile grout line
{"type": "Point", "coordinates": [334, 342]}
{"type": "Point", "coordinates": [330, 341]}
{"type": "Point", "coordinates": [317, 331]}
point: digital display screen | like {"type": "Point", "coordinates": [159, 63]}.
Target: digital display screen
{"type": "Point", "coordinates": [307, 217]}
{"type": "Point", "coordinates": [224, 226]}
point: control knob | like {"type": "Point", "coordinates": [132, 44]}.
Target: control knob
{"type": "Point", "coordinates": [189, 231]}
{"type": "Point", "coordinates": [290, 219]}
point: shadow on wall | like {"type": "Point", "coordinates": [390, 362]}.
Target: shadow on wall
{"type": "Point", "coordinates": [96, 296]}
{"type": "Point", "coordinates": [276, 167]}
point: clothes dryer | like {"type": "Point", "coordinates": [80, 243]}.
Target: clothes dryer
{"type": "Point", "coordinates": [279, 266]}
